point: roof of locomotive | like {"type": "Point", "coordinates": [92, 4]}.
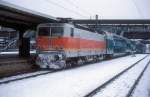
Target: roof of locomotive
{"type": "Point", "coordinates": [66, 24]}
{"type": "Point", "coordinates": [53, 24]}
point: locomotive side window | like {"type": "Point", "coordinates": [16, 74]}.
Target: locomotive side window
{"type": "Point", "coordinates": [51, 31]}
{"type": "Point", "coordinates": [72, 32]}
{"type": "Point", "coordinates": [44, 31]}
{"type": "Point", "coordinates": [57, 31]}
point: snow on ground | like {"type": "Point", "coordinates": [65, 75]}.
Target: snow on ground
{"type": "Point", "coordinates": [121, 86]}
{"type": "Point", "coordinates": [143, 88]}
{"type": "Point", "coordinates": [69, 83]}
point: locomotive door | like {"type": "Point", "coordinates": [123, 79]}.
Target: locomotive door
{"type": "Point", "coordinates": [50, 40]}
{"type": "Point", "coordinates": [78, 43]}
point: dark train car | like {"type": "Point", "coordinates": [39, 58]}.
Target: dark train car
{"type": "Point", "coordinates": [120, 45]}
{"type": "Point", "coordinates": [117, 45]}
{"type": "Point", "coordinates": [140, 47]}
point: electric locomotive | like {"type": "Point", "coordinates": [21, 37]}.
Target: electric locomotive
{"type": "Point", "coordinates": [60, 45]}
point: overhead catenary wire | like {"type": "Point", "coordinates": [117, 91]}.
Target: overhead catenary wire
{"type": "Point", "coordinates": [73, 4]}
{"type": "Point", "coordinates": [66, 9]}
{"type": "Point", "coordinates": [77, 7]}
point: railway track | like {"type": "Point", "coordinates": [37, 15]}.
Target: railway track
{"type": "Point", "coordinates": [34, 74]}
{"type": "Point", "coordinates": [10, 67]}
{"type": "Point", "coordinates": [137, 81]}
{"type": "Point", "coordinates": [101, 87]}
{"type": "Point", "coordinates": [12, 61]}
{"type": "Point", "coordinates": [23, 76]}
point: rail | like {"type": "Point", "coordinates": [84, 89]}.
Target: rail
{"type": "Point", "coordinates": [92, 93]}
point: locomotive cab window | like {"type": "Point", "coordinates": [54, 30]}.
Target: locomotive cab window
{"type": "Point", "coordinates": [44, 31]}
{"type": "Point", "coordinates": [51, 31]}
{"type": "Point", "coordinates": [57, 31]}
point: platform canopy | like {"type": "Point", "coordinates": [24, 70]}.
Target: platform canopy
{"type": "Point", "coordinates": [18, 17]}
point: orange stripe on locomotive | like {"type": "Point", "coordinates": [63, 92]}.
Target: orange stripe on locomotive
{"type": "Point", "coordinates": [68, 43]}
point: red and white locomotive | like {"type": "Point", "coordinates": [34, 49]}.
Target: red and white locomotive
{"type": "Point", "coordinates": [60, 45]}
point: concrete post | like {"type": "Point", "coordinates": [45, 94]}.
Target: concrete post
{"type": "Point", "coordinates": [24, 45]}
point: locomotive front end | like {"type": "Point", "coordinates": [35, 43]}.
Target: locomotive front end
{"type": "Point", "coordinates": [51, 60]}
{"type": "Point", "coordinates": [50, 46]}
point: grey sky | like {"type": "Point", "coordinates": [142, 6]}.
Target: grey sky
{"type": "Point", "coordinates": [106, 9]}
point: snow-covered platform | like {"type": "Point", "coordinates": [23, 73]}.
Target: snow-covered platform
{"type": "Point", "coordinates": [75, 82]}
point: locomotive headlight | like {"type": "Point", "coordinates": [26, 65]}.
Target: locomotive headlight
{"type": "Point", "coordinates": [58, 57]}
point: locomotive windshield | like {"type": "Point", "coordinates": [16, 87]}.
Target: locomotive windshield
{"type": "Point", "coordinates": [44, 31]}
{"type": "Point", "coordinates": [51, 31]}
